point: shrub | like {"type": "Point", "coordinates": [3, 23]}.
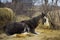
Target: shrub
{"type": "Point", "coordinates": [54, 18]}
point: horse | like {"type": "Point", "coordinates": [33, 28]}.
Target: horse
{"type": "Point", "coordinates": [23, 26]}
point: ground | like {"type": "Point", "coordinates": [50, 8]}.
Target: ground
{"type": "Point", "coordinates": [44, 34]}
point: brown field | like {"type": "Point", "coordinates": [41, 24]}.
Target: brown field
{"type": "Point", "coordinates": [44, 34]}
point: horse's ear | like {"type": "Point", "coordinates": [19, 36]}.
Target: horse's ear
{"type": "Point", "coordinates": [43, 14]}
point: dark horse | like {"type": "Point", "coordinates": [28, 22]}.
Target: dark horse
{"type": "Point", "coordinates": [23, 26]}
{"type": "Point", "coordinates": [33, 23]}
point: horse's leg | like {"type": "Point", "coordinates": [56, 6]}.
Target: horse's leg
{"type": "Point", "coordinates": [26, 29]}
{"type": "Point", "coordinates": [33, 31]}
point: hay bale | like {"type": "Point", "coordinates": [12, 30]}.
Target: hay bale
{"type": "Point", "coordinates": [6, 16]}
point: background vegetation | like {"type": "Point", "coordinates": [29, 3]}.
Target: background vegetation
{"type": "Point", "coordinates": [26, 9]}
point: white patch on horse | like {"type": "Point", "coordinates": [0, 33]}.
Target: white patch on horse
{"type": "Point", "coordinates": [47, 21]}
{"type": "Point", "coordinates": [26, 29]}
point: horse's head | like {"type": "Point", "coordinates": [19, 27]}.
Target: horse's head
{"type": "Point", "coordinates": [44, 18]}
{"type": "Point", "coordinates": [43, 15]}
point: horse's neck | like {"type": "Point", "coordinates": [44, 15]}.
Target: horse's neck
{"type": "Point", "coordinates": [36, 19]}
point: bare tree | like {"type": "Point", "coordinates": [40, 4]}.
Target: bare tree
{"type": "Point", "coordinates": [52, 1]}
{"type": "Point", "coordinates": [42, 1]}
{"type": "Point", "coordinates": [56, 2]}
{"type": "Point", "coordinates": [46, 2]}
{"type": "Point", "coordinates": [2, 4]}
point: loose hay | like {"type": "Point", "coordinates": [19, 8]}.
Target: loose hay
{"type": "Point", "coordinates": [22, 35]}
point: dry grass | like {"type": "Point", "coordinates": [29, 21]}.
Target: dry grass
{"type": "Point", "coordinates": [22, 17]}
{"type": "Point", "coordinates": [44, 34]}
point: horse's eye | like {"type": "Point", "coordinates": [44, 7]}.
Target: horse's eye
{"type": "Point", "coordinates": [43, 21]}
